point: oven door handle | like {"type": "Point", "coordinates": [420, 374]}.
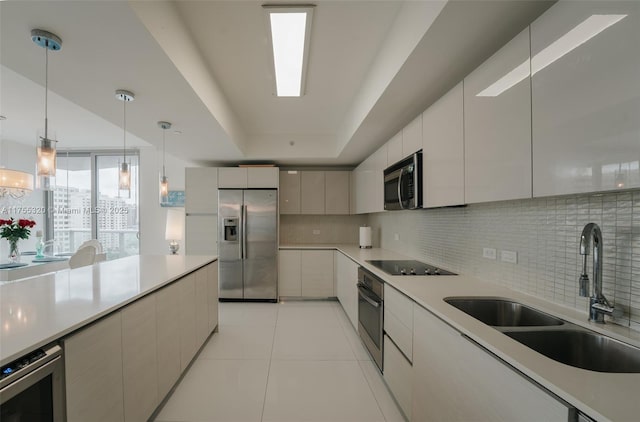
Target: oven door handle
{"type": "Point", "coordinates": [368, 299]}
{"type": "Point", "coordinates": [400, 188]}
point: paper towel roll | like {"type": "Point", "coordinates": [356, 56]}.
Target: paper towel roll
{"type": "Point", "coordinates": [365, 237]}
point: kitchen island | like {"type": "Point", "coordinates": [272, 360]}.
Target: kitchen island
{"type": "Point", "coordinates": [603, 396]}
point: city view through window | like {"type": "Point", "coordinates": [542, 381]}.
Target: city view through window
{"type": "Point", "coordinates": [87, 204]}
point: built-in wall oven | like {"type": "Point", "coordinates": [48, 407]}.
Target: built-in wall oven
{"type": "Point", "coordinates": [403, 184]}
{"type": "Point", "coordinates": [371, 313]}
{"type": "Point", "coordinates": [32, 387]}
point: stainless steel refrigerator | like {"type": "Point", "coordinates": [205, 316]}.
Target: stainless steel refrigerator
{"type": "Point", "coordinates": [247, 244]}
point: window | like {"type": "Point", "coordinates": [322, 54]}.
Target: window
{"type": "Point", "coordinates": [86, 204]}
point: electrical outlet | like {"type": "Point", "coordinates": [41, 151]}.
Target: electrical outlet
{"type": "Point", "coordinates": [489, 253]}
{"type": "Point", "coordinates": [509, 256]}
{"type": "Point", "coordinates": [316, 231]}
{"type": "Point", "coordinates": [396, 236]}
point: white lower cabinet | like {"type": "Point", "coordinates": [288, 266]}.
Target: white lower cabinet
{"type": "Point", "coordinates": [121, 367]}
{"type": "Point", "coordinates": [346, 275]}
{"type": "Point", "coordinates": [289, 273]}
{"type": "Point", "coordinates": [456, 380]}
{"type": "Point", "coordinates": [93, 372]}
{"type": "Point", "coordinates": [316, 273]}
{"type": "Point", "coordinates": [397, 374]}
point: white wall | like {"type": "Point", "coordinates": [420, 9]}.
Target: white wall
{"type": "Point", "coordinates": [152, 215]}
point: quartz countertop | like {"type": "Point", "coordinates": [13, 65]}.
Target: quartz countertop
{"type": "Point", "coordinates": [38, 310]}
{"type": "Point", "coordinates": [603, 396]}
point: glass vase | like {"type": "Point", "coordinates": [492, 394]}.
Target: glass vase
{"type": "Point", "coordinates": [14, 252]}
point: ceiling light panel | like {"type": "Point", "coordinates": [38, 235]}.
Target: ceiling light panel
{"type": "Point", "coordinates": [289, 33]}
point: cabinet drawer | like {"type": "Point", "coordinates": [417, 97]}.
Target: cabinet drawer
{"type": "Point", "coordinates": [397, 375]}
{"type": "Point", "coordinates": [400, 334]}
{"type": "Point", "coordinates": [399, 305]}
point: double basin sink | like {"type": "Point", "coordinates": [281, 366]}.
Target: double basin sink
{"type": "Point", "coordinates": [555, 338]}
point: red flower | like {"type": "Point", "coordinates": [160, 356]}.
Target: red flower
{"type": "Point", "coordinates": [26, 223]}
{"type": "Point", "coordinates": [5, 222]}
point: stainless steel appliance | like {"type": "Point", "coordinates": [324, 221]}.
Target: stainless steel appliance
{"type": "Point", "coordinates": [408, 267]}
{"type": "Point", "coordinates": [371, 313]}
{"type": "Point", "coordinates": [403, 184]}
{"type": "Point", "coordinates": [247, 244]}
{"type": "Point", "coordinates": [32, 387]}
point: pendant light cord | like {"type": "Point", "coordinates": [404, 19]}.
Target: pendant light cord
{"type": "Point", "coordinates": [124, 130]}
{"type": "Point", "coordinates": [46, 90]}
{"type": "Point", "coordinates": [164, 151]}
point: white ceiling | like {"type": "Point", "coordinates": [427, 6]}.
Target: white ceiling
{"type": "Point", "coordinates": [204, 66]}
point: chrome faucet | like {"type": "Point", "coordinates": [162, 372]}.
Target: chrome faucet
{"type": "Point", "coordinates": [598, 304]}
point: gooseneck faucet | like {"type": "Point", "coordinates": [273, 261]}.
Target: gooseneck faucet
{"type": "Point", "coordinates": [598, 304]}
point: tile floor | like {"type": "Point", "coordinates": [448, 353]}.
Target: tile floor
{"type": "Point", "coordinates": [294, 361]}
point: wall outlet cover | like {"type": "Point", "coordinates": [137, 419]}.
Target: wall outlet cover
{"type": "Point", "coordinates": [316, 231]}
{"type": "Point", "coordinates": [396, 236]}
{"type": "Point", "coordinates": [489, 253]}
{"type": "Point", "coordinates": [509, 256]}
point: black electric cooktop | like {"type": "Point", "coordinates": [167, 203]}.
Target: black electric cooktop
{"type": "Point", "coordinates": [409, 267]}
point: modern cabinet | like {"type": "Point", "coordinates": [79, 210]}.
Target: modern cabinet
{"type": "Point", "coordinates": [368, 183]}
{"type": "Point", "coordinates": [140, 359]}
{"type": "Point", "coordinates": [93, 372]}
{"type": "Point", "coordinates": [212, 294]}
{"type": "Point", "coordinates": [346, 275]}
{"type": "Point", "coordinates": [201, 279]}
{"type": "Point", "coordinates": [247, 177]}
{"type": "Point", "coordinates": [312, 186]}
{"type": "Point", "coordinates": [586, 97]}
{"type": "Point", "coordinates": [201, 190]}
{"type": "Point", "coordinates": [316, 273]}
{"type": "Point", "coordinates": [497, 125]}
{"type": "Point", "coordinates": [336, 194]}
{"type": "Point", "coordinates": [398, 376]}
{"type": "Point", "coordinates": [289, 281]}
{"type": "Point", "coordinates": [168, 335]}
{"type": "Point", "coordinates": [394, 149]}
{"type": "Point", "coordinates": [201, 234]}
{"type": "Point", "coordinates": [289, 192]}
{"type": "Point", "coordinates": [455, 380]}
{"type": "Point", "coordinates": [412, 137]}
{"type": "Point", "coordinates": [398, 320]}
{"type": "Point", "coordinates": [443, 151]}
{"type": "Point", "coordinates": [187, 304]}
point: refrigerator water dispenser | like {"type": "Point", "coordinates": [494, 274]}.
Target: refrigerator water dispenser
{"type": "Point", "coordinates": [231, 229]}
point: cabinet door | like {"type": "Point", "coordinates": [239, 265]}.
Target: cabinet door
{"type": "Point", "coordinates": [232, 178]}
{"type": "Point", "coordinates": [289, 192]}
{"type": "Point", "coordinates": [497, 121]}
{"type": "Point", "coordinates": [188, 336]}
{"type": "Point", "coordinates": [201, 190]}
{"type": "Point", "coordinates": [394, 149]}
{"type": "Point", "coordinates": [201, 235]}
{"type": "Point", "coordinates": [312, 192]}
{"type": "Point", "coordinates": [212, 294]}
{"type": "Point", "coordinates": [586, 98]}
{"type": "Point", "coordinates": [412, 137]}
{"type": "Point", "coordinates": [443, 151]}
{"type": "Point", "coordinates": [337, 192]}
{"type": "Point", "coordinates": [140, 359]}
{"type": "Point", "coordinates": [455, 380]}
{"type": "Point", "coordinates": [169, 331]}
{"type": "Point", "coordinates": [262, 177]}
{"type": "Point", "coordinates": [93, 372]}
{"type": "Point", "coordinates": [346, 278]}
{"type": "Point", "coordinates": [202, 306]}
{"type": "Point", "coordinates": [289, 283]}
{"type": "Point", "coordinates": [316, 273]}
{"type": "Point", "coordinates": [397, 374]}
{"type": "Point", "coordinates": [398, 320]}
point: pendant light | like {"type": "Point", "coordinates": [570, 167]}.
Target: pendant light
{"type": "Point", "coordinates": [164, 182]}
{"type": "Point", "coordinates": [124, 175]}
{"type": "Point", "coordinates": [13, 183]}
{"type": "Point", "coordinates": [46, 164]}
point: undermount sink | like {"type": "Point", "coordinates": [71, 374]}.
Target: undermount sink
{"type": "Point", "coordinates": [582, 349]}
{"type": "Point", "coordinates": [502, 313]}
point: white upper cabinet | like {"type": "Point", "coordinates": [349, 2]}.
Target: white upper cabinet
{"type": "Point", "coordinates": [232, 178]}
{"type": "Point", "coordinates": [312, 192]}
{"type": "Point", "coordinates": [368, 183]}
{"type": "Point", "coordinates": [394, 150]}
{"type": "Point", "coordinates": [497, 121]}
{"type": "Point", "coordinates": [337, 187]}
{"type": "Point", "coordinates": [443, 151]}
{"type": "Point", "coordinates": [412, 137]}
{"type": "Point", "coordinates": [289, 192]}
{"type": "Point", "coordinates": [201, 190]}
{"type": "Point", "coordinates": [586, 97]}
{"type": "Point", "coordinates": [262, 177]}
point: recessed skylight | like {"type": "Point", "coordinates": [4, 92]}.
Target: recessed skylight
{"type": "Point", "coordinates": [289, 32]}
{"type": "Point", "coordinates": [573, 39]}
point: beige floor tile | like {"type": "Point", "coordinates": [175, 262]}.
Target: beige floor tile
{"type": "Point", "coordinates": [308, 313]}
{"type": "Point", "coordinates": [319, 391]}
{"type": "Point", "coordinates": [311, 341]}
{"type": "Point", "coordinates": [352, 336]}
{"type": "Point", "coordinates": [233, 313]}
{"type": "Point", "coordinates": [385, 401]}
{"type": "Point", "coordinates": [240, 342]}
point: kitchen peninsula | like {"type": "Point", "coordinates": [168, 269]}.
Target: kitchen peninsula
{"type": "Point", "coordinates": [146, 303]}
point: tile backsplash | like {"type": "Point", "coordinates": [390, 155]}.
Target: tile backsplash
{"type": "Point", "coordinates": [545, 234]}
{"type": "Point", "coordinates": [296, 229]}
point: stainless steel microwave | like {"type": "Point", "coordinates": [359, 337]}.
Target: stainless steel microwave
{"type": "Point", "coordinates": [403, 184]}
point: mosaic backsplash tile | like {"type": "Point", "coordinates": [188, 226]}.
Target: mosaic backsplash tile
{"type": "Point", "coordinates": [544, 232]}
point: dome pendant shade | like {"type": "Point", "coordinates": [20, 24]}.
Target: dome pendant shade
{"type": "Point", "coordinates": [15, 184]}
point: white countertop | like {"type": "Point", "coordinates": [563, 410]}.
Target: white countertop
{"type": "Point", "coordinates": [38, 310]}
{"type": "Point", "coordinates": [32, 268]}
{"type": "Point", "coordinates": [603, 396]}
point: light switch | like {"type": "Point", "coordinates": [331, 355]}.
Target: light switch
{"type": "Point", "coordinates": [489, 253]}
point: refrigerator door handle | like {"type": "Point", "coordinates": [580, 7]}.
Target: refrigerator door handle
{"type": "Point", "coordinates": [244, 232]}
